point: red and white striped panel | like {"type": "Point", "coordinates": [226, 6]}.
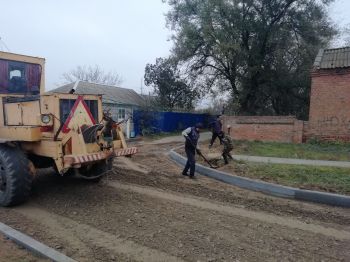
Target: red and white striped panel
{"type": "Point", "coordinates": [126, 152]}
{"type": "Point", "coordinates": [77, 160]}
{"type": "Point", "coordinates": [89, 158]}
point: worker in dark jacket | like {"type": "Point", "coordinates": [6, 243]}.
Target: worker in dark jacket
{"type": "Point", "coordinates": [192, 135]}
{"type": "Point", "coordinates": [228, 146]}
{"type": "Point", "coordinates": [216, 129]}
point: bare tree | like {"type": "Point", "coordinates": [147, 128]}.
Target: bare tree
{"type": "Point", "coordinates": [92, 74]}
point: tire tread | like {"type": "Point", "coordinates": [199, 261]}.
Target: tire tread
{"type": "Point", "coordinates": [18, 177]}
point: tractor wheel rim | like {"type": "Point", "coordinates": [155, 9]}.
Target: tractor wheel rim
{"type": "Point", "coordinates": [2, 178]}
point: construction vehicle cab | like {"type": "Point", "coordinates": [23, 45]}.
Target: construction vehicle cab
{"type": "Point", "coordinates": [69, 132]}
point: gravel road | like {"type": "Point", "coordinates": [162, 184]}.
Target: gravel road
{"type": "Point", "coordinates": [146, 211]}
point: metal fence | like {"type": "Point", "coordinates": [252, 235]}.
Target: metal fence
{"type": "Point", "coordinates": [149, 122]}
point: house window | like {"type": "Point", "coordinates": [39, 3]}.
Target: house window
{"type": "Point", "coordinates": [121, 114]}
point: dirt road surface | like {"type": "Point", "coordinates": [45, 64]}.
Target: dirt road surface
{"type": "Point", "coordinates": [10, 252]}
{"type": "Point", "coordinates": [146, 211]}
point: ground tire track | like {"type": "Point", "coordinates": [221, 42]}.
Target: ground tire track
{"type": "Point", "coordinates": [90, 234]}
{"type": "Point", "coordinates": [263, 217]}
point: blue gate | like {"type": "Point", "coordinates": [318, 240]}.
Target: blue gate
{"type": "Point", "coordinates": [155, 122]}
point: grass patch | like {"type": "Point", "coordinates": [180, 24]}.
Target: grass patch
{"type": "Point", "coordinates": [328, 179]}
{"type": "Point", "coordinates": [317, 151]}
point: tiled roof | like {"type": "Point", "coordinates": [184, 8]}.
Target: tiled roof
{"type": "Point", "coordinates": [111, 94]}
{"type": "Point", "coordinates": [333, 58]}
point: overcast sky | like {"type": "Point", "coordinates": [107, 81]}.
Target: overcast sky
{"type": "Point", "coordinates": [118, 35]}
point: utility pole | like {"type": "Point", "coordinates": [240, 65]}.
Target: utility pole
{"type": "Point", "coordinates": [141, 87]}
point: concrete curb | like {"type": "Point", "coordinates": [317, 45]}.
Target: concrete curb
{"type": "Point", "coordinates": [267, 188]}
{"type": "Point", "coordinates": [33, 245]}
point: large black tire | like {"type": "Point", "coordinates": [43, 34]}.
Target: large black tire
{"type": "Point", "coordinates": [15, 176]}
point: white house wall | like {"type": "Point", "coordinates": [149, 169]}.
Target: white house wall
{"type": "Point", "coordinates": [114, 110]}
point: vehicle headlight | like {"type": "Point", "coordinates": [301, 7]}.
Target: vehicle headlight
{"type": "Point", "coordinates": [45, 119]}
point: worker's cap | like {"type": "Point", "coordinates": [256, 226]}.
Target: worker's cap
{"type": "Point", "coordinates": [199, 125]}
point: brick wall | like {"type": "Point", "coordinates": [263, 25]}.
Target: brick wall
{"type": "Point", "coordinates": [329, 117]}
{"type": "Point", "coordinates": [265, 128]}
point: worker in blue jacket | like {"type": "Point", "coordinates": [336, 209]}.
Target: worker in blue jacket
{"type": "Point", "coordinates": [216, 129]}
{"type": "Point", "coordinates": [192, 135]}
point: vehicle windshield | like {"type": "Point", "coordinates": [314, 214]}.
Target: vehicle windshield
{"type": "Point", "coordinates": [66, 106]}
{"type": "Point", "coordinates": [19, 77]}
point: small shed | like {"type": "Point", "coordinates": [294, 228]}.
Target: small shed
{"type": "Point", "coordinates": [329, 116]}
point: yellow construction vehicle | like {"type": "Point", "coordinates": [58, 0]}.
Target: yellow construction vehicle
{"type": "Point", "coordinates": [69, 132]}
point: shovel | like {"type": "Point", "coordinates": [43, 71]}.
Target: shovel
{"type": "Point", "coordinates": [206, 160]}
{"type": "Point", "coordinates": [201, 154]}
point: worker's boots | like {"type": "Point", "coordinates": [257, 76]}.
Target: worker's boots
{"type": "Point", "coordinates": [225, 158]}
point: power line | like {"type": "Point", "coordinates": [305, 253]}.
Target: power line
{"type": "Point", "coordinates": [4, 44]}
